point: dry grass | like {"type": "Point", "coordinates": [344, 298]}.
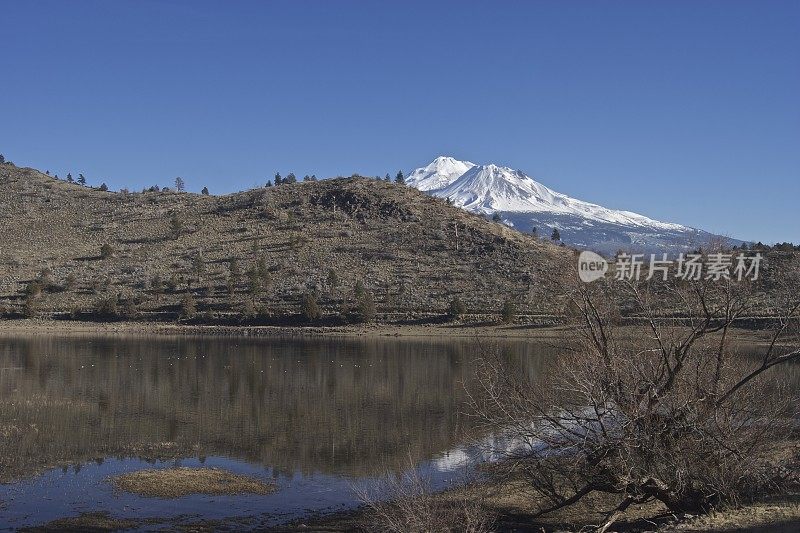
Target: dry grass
{"type": "Point", "coordinates": [776, 515]}
{"type": "Point", "coordinates": [86, 522]}
{"type": "Point", "coordinates": [406, 504]}
{"type": "Point", "coordinates": [399, 243]}
{"type": "Point", "coordinates": [177, 482]}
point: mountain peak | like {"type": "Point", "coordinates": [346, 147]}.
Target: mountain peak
{"type": "Point", "coordinates": [438, 173]}
{"type": "Point", "coordinates": [445, 159]}
{"type": "Point", "coordinates": [526, 203]}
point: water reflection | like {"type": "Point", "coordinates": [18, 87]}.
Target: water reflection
{"type": "Point", "coordinates": [316, 416]}
{"type": "Point", "coordinates": [342, 407]}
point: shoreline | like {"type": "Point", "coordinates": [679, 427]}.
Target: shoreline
{"type": "Point", "coordinates": [449, 330]}
{"type": "Point", "coordinates": [455, 331]}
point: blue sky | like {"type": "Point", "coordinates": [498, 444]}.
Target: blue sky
{"type": "Point", "coordinates": [683, 111]}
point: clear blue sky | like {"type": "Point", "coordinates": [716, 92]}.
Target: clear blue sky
{"type": "Point", "coordinates": [683, 111]}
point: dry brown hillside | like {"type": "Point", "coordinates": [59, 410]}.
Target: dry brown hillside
{"type": "Point", "coordinates": [414, 253]}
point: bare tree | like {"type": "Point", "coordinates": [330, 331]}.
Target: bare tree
{"type": "Point", "coordinates": [660, 410]}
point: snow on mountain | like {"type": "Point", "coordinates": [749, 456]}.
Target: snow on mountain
{"type": "Point", "coordinates": [440, 173]}
{"type": "Point", "coordinates": [490, 188]}
{"type": "Point", "coordinates": [525, 204]}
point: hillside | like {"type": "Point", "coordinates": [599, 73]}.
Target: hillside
{"type": "Point", "coordinates": [412, 251]}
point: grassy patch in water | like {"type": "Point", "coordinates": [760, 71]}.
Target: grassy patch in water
{"type": "Point", "coordinates": [86, 522]}
{"type": "Point", "coordinates": [177, 482]}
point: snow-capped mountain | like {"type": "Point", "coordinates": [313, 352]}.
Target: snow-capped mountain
{"type": "Point", "coordinates": [525, 204]}
{"type": "Point", "coordinates": [441, 172]}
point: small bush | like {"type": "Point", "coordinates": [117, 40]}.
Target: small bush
{"type": "Point", "coordinates": [173, 283]}
{"type": "Point", "coordinates": [45, 278]}
{"type": "Point", "coordinates": [157, 284]}
{"type": "Point", "coordinates": [248, 309]}
{"type": "Point", "coordinates": [310, 308]}
{"type": "Point", "coordinates": [365, 309]}
{"type": "Point", "coordinates": [106, 306]}
{"type": "Point", "coordinates": [176, 226]}
{"type": "Point", "coordinates": [509, 312]}
{"type": "Point", "coordinates": [106, 251]}
{"type": "Point", "coordinates": [129, 308]}
{"type": "Point", "coordinates": [31, 305]}
{"type": "Point", "coordinates": [456, 309]}
{"type": "Point", "coordinates": [34, 289]}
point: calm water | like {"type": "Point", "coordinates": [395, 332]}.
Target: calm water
{"type": "Point", "coordinates": [317, 417]}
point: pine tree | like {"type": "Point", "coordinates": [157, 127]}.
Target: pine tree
{"type": "Point", "coordinates": [188, 306]}
{"type": "Point", "coordinates": [366, 308]}
{"type": "Point", "coordinates": [198, 266]}
{"type": "Point", "coordinates": [291, 178]}
{"type": "Point", "coordinates": [359, 290]}
{"type": "Point", "coordinates": [556, 235]}
{"type": "Point", "coordinates": [263, 271]}
{"type": "Point", "coordinates": [387, 178]}
{"type": "Point", "coordinates": [205, 191]}
{"type": "Point", "coordinates": [333, 279]}
{"type": "Point", "coordinates": [157, 285]}
{"type": "Point", "coordinates": [534, 231]}
{"type": "Point", "coordinates": [399, 178]}
{"type": "Point", "coordinates": [69, 176]}
{"type": "Point", "coordinates": [81, 179]}
{"type": "Point", "coordinates": [103, 187]}
{"type": "Point", "coordinates": [496, 217]}
{"type": "Point", "coordinates": [180, 185]}
{"type": "Point", "coordinates": [30, 305]}
{"type": "Point", "coordinates": [278, 179]}
{"type": "Point", "coordinates": [235, 271]}
{"type": "Point", "coordinates": [254, 283]}
{"type": "Point", "coordinates": [2, 159]}
{"type": "Point", "coordinates": [508, 312]}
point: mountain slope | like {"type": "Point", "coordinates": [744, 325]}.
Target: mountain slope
{"type": "Point", "coordinates": [414, 252]}
{"type": "Point", "coordinates": [525, 204]}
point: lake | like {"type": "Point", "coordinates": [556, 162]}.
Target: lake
{"type": "Point", "coordinates": [316, 417]}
